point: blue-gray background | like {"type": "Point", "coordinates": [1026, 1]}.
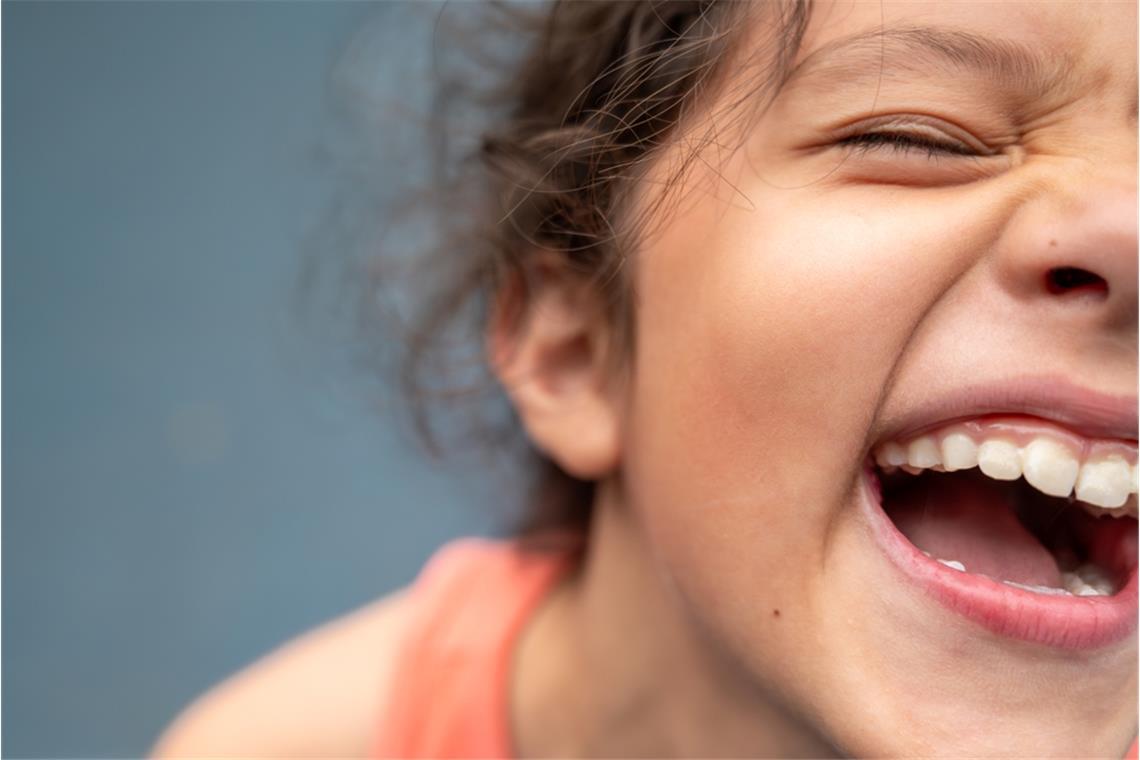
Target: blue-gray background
{"type": "Point", "coordinates": [190, 478]}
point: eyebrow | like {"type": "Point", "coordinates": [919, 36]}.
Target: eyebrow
{"type": "Point", "coordinates": [918, 49]}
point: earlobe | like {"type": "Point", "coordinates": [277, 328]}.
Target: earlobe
{"type": "Point", "coordinates": [547, 340]}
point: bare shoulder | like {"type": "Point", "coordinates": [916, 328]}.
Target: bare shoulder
{"type": "Point", "coordinates": [320, 694]}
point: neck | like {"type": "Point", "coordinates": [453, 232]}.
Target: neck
{"type": "Point", "coordinates": [613, 666]}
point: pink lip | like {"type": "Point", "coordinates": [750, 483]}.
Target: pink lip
{"type": "Point", "coordinates": [1049, 397]}
{"type": "Point", "coordinates": [1063, 622]}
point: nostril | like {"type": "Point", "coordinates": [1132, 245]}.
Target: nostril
{"type": "Point", "coordinates": [1061, 280]}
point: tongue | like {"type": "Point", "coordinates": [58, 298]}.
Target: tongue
{"type": "Point", "coordinates": [971, 519]}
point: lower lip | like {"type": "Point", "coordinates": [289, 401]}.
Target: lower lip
{"type": "Point", "coordinates": [1062, 622]}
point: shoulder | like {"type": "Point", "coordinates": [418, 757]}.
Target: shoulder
{"type": "Point", "coordinates": [320, 694]}
{"type": "Point", "coordinates": [327, 693]}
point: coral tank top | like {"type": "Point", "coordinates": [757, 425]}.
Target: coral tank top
{"type": "Point", "coordinates": [449, 695]}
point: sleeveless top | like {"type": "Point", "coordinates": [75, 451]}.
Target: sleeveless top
{"type": "Point", "coordinates": [448, 695]}
{"type": "Point", "coordinates": [449, 691]}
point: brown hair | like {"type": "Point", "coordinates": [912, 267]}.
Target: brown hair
{"type": "Point", "coordinates": [573, 124]}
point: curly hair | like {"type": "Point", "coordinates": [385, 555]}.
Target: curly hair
{"type": "Point", "coordinates": [570, 127]}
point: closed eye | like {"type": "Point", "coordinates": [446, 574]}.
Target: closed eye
{"type": "Point", "coordinates": [903, 142]}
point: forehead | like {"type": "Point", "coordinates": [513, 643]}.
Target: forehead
{"type": "Point", "coordinates": [1037, 48]}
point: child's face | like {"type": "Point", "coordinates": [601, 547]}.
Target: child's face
{"type": "Point", "coordinates": [818, 294]}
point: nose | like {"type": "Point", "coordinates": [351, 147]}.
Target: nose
{"type": "Point", "coordinates": [1071, 253]}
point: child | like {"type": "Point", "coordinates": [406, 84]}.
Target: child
{"type": "Point", "coordinates": [823, 320]}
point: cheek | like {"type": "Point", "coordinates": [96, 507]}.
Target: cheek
{"type": "Point", "coordinates": [766, 337]}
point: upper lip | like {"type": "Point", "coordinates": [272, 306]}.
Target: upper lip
{"type": "Point", "coordinates": [1082, 410]}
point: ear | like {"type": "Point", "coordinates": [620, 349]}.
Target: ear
{"type": "Point", "coordinates": [547, 341]}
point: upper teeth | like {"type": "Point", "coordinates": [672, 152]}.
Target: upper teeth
{"type": "Point", "coordinates": [1106, 483]}
{"type": "Point", "coordinates": [1104, 479]}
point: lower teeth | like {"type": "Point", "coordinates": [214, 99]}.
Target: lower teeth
{"type": "Point", "coordinates": [1039, 589]}
{"type": "Point", "coordinates": [1086, 580]}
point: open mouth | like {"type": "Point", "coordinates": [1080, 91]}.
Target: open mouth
{"type": "Point", "coordinates": [1028, 530]}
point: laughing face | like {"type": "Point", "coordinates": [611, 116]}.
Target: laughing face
{"type": "Point", "coordinates": [881, 426]}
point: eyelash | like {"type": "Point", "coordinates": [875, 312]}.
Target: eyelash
{"type": "Point", "coordinates": [902, 142]}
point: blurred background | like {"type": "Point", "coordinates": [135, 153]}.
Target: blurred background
{"type": "Point", "coordinates": [191, 477]}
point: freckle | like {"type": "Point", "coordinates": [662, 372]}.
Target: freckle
{"type": "Point", "coordinates": [775, 613]}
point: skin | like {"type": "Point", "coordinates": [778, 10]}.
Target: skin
{"type": "Point", "coordinates": [793, 306]}
{"type": "Point", "coordinates": [794, 303]}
